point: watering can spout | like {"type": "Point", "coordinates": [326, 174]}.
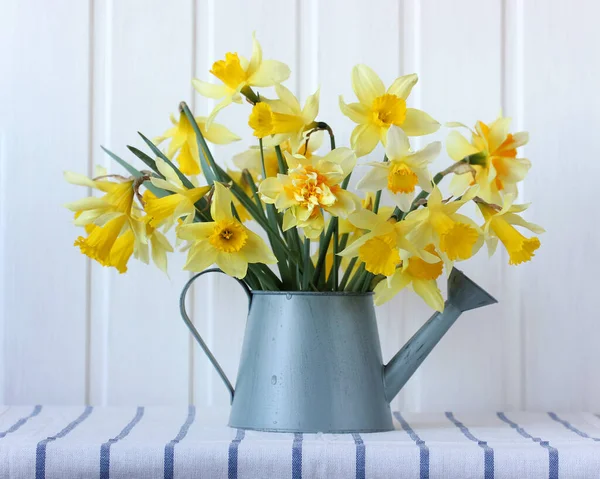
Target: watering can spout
{"type": "Point", "coordinates": [463, 295]}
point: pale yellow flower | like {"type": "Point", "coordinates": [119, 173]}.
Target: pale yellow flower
{"type": "Point", "coordinates": [455, 236]}
{"type": "Point", "coordinates": [311, 186]}
{"type": "Point", "coordinates": [184, 141]}
{"type": "Point", "coordinates": [420, 275]}
{"type": "Point", "coordinates": [284, 118]}
{"type": "Point", "coordinates": [404, 171]}
{"type": "Point", "coordinates": [377, 109]}
{"type": "Point", "coordinates": [224, 241]}
{"type": "Point", "coordinates": [493, 156]}
{"type": "Point", "coordinates": [237, 73]}
{"type": "Point", "coordinates": [168, 209]}
{"type": "Point", "coordinates": [499, 226]}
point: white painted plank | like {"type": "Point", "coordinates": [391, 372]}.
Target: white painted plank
{"type": "Point", "coordinates": [459, 66]}
{"type": "Point", "coordinates": [44, 127]}
{"type": "Point", "coordinates": [562, 112]}
{"type": "Point", "coordinates": [140, 345]}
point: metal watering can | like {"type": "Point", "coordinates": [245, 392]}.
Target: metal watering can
{"type": "Point", "coordinates": [311, 362]}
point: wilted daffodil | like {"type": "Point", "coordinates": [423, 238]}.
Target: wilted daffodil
{"type": "Point", "coordinates": [184, 141]}
{"type": "Point", "coordinates": [284, 118]}
{"type": "Point", "coordinates": [181, 204]}
{"type": "Point", "coordinates": [380, 248]}
{"type": "Point", "coordinates": [403, 172]}
{"type": "Point", "coordinates": [455, 236]}
{"type": "Point", "coordinates": [500, 225]}
{"type": "Point", "coordinates": [310, 186]}
{"type": "Point", "coordinates": [224, 241]}
{"type": "Point", "coordinates": [420, 275]}
{"type": "Point", "coordinates": [252, 161]}
{"type": "Point", "coordinates": [237, 73]}
{"type": "Point", "coordinates": [492, 153]}
{"type": "Point", "coordinates": [377, 109]}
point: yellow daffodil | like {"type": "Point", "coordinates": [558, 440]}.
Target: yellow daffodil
{"type": "Point", "coordinates": [252, 161]}
{"type": "Point", "coordinates": [380, 248]}
{"type": "Point", "coordinates": [403, 172]}
{"type": "Point", "coordinates": [377, 109]}
{"type": "Point", "coordinates": [237, 73]}
{"type": "Point", "coordinates": [420, 275]}
{"type": "Point", "coordinates": [310, 186]}
{"type": "Point", "coordinates": [493, 156]}
{"type": "Point", "coordinates": [224, 241]}
{"type": "Point", "coordinates": [284, 118]}
{"type": "Point", "coordinates": [181, 204]}
{"type": "Point", "coordinates": [183, 140]}
{"type": "Point", "coordinates": [455, 236]}
{"type": "Point", "coordinates": [499, 226]}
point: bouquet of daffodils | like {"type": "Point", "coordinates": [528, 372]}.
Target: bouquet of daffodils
{"type": "Point", "coordinates": [318, 235]}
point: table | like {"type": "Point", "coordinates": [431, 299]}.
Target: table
{"type": "Point", "coordinates": [148, 442]}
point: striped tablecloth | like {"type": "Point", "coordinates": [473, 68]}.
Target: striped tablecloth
{"type": "Point", "coordinates": [149, 442]}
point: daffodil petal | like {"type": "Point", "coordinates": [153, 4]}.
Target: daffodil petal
{"type": "Point", "coordinates": [366, 84]}
{"type": "Point", "coordinates": [311, 108]}
{"type": "Point", "coordinates": [287, 97]}
{"type": "Point", "coordinates": [397, 144]}
{"type": "Point", "coordinates": [210, 90]}
{"type": "Point", "coordinates": [233, 264]}
{"type": "Point", "coordinates": [430, 293]}
{"type": "Point", "coordinates": [220, 209]}
{"type": "Point", "coordinates": [270, 72]}
{"type": "Point", "coordinates": [375, 179]}
{"type": "Point", "coordinates": [418, 123]}
{"type": "Point", "coordinates": [357, 112]}
{"type": "Point", "coordinates": [364, 139]}
{"type": "Point", "coordinates": [200, 256]}
{"type": "Point", "coordinates": [402, 86]}
{"type": "Point", "coordinates": [256, 250]}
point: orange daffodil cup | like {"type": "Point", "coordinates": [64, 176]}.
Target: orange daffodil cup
{"type": "Point", "coordinates": [281, 216]}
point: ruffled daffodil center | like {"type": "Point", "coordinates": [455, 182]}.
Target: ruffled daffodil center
{"type": "Point", "coordinates": [401, 178]}
{"type": "Point", "coordinates": [388, 110]}
{"type": "Point", "coordinates": [420, 269]}
{"type": "Point", "coordinates": [380, 254]}
{"type": "Point", "coordinates": [230, 71]}
{"type": "Point", "coordinates": [456, 239]}
{"type": "Point", "coordinates": [228, 236]}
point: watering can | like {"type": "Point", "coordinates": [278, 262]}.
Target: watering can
{"type": "Point", "coordinates": [311, 361]}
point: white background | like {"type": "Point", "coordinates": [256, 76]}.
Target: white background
{"type": "Point", "coordinates": [78, 74]}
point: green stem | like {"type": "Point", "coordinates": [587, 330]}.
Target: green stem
{"type": "Point", "coordinates": [305, 276]}
{"type": "Point", "coordinates": [336, 258]}
{"type": "Point", "coordinates": [347, 273]}
{"type": "Point", "coordinates": [323, 247]}
{"type": "Point", "coordinates": [355, 279]}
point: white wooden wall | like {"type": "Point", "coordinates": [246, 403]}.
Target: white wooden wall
{"type": "Point", "coordinates": [77, 74]}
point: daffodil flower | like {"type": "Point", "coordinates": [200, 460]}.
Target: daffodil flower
{"type": "Point", "coordinates": [380, 248]}
{"type": "Point", "coordinates": [168, 209]}
{"type": "Point", "coordinates": [455, 236]}
{"type": "Point", "coordinates": [252, 161]}
{"type": "Point", "coordinates": [310, 186]}
{"type": "Point", "coordinates": [499, 226]}
{"type": "Point", "coordinates": [377, 109]}
{"type": "Point", "coordinates": [403, 172]}
{"type": "Point", "coordinates": [420, 275]}
{"type": "Point", "coordinates": [183, 140]}
{"type": "Point", "coordinates": [224, 241]}
{"type": "Point", "coordinates": [284, 118]}
{"type": "Point", "coordinates": [493, 152]}
{"type": "Point", "coordinates": [237, 73]}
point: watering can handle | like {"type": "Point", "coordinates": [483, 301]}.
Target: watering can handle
{"type": "Point", "coordinates": [188, 322]}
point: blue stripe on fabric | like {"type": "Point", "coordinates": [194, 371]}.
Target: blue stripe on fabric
{"type": "Point", "coordinates": [232, 459]}
{"type": "Point", "coordinates": [20, 422]}
{"type": "Point", "coordinates": [297, 456]}
{"type": "Point", "coordinates": [552, 452]}
{"type": "Point", "coordinates": [169, 467]}
{"type": "Point", "coordinates": [40, 450]}
{"type": "Point", "coordinates": [361, 460]}
{"type": "Point", "coordinates": [572, 428]}
{"type": "Point", "coordinates": [488, 452]}
{"type": "Point", "coordinates": [105, 448]}
{"type": "Point", "coordinates": [423, 449]}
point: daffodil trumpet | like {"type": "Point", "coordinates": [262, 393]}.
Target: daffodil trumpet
{"type": "Point", "coordinates": [285, 217]}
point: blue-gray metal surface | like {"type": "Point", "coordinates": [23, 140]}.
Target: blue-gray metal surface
{"type": "Point", "coordinates": [311, 362]}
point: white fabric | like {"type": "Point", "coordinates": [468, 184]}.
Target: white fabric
{"type": "Point", "coordinates": [66, 442]}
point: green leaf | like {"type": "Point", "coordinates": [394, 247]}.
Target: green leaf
{"type": "Point", "coordinates": [146, 159]}
{"type": "Point", "coordinates": [203, 152]}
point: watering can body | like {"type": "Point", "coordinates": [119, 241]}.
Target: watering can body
{"type": "Point", "coordinates": [311, 362]}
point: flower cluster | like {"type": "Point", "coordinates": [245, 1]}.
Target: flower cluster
{"type": "Point", "coordinates": [320, 235]}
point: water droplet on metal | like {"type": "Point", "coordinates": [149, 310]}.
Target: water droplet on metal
{"type": "Point", "coordinates": [273, 380]}
{"type": "Point", "coordinates": [288, 296]}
